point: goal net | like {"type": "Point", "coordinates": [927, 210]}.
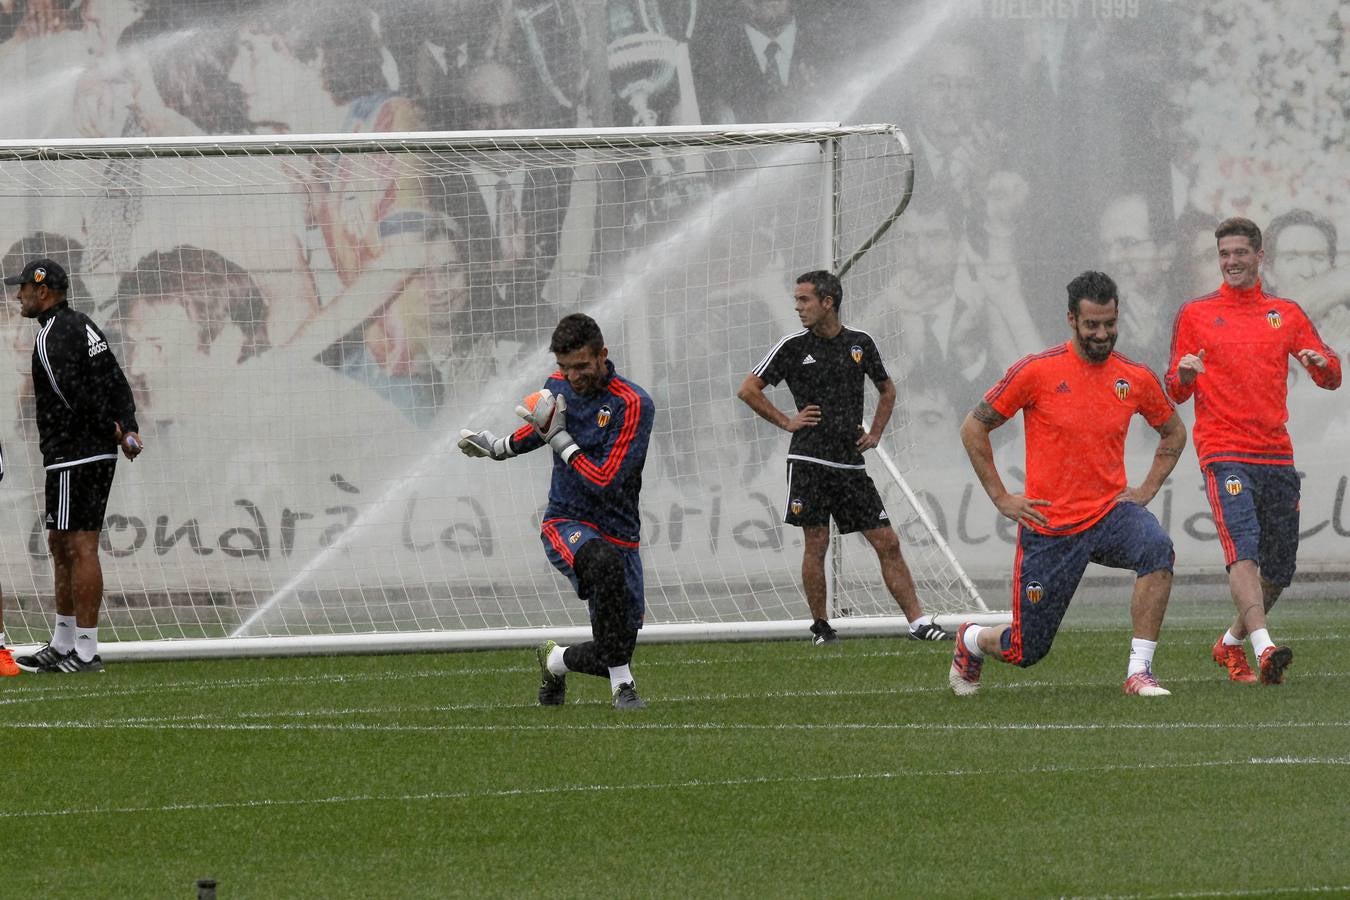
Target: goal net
{"type": "Point", "coordinates": [308, 321]}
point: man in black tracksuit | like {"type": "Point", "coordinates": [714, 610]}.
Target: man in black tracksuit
{"type": "Point", "coordinates": [85, 412]}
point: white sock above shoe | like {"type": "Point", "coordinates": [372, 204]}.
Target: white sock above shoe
{"type": "Point", "coordinates": [619, 675]}
{"type": "Point", "coordinates": [921, 621]}
{"type": "Point", "coordinates": [1141, 656]}
{"type": "Point", "coordinates": [555, 661]}
{"type": "Point", "coordinates": [63, 635]}
{"type": "Point", "coordinates": [972, 640]}
{"type": "Point", "coordinates": [2, 640]}
{"type": "Point", "coordinates": [1230, 641]}
{"type": "Point", "coordinates": [86, 643]}
{"type": "Point", "coordinates": [1260, 641]}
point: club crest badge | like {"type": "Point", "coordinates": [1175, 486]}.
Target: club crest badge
{"type": "Point", "coordinates": [1122, 389]}
{"type": "Point", "coordinates": [1233, 485]}
{"type": "Point", "coordinates": [1035, 592]}
{"type": "Point", "coordinates": [1273, 318]}
{"type": "Point", "coordinates": [39, 275]}
{"type": "Point", "coordinates": [603, 416]}
{"type": "Point", "coordinates": [795, 506]}
{"type": "Point", "coordinates": [856, 353]}
{"type": "Point", "coordinates": [574, 537]}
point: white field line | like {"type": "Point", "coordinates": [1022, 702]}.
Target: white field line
{"type": "Point", "coordinates": [564, 790]}
{"type": "Point", "coordinates": [200, 723]}
{"type": "Point", "coordinates": [80, 693]}
{"type": "Point", "coordinates": [88, 689]}
{"type": "Point", "coordinates": [1299, 891]}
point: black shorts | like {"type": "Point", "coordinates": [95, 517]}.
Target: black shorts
{"type": "Point", "coordinates": [77, 496]}
{"type": "Point", "coordinates": [817, 492]}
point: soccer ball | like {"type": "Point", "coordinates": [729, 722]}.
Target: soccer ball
{"type": "Point", "coordinates": [534, 400]}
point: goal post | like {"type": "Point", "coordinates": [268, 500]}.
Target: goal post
{"type": "Point", "coordinates": [309, 320]}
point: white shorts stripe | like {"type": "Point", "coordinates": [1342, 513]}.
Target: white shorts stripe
{"type": "Point", "coordinates": [63, 501]}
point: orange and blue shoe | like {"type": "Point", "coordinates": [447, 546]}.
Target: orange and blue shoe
{"type": "Point", "coordinates": [1234, 659]}
{"type": "Point", "coordinates": [7, 664]}
{"type": "Point", "coordinates": [1143, 684]}
{"type": "Point", "coordinates": [964, 675]}
{"type": "Point", "coordinates": [1274, 660]}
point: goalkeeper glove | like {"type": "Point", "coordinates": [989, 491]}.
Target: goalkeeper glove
{"type": "Point", "coordinates": [549, 419]}
{"type": "Point", "coordinates": [484, 443]}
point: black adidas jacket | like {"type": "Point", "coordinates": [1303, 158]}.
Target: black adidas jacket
{"type": "Point", "coordinates": [80, 389]}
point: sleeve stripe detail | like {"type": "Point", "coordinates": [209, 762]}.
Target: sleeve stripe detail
{"type": "Point", "coordinates": [41, 345]}
{"type": "Point", "coordinates": [773, 351]}
{"type": "Point", "coordinates": [1018, 366]}
{"type": "Point", "coordinates": [603, 474]}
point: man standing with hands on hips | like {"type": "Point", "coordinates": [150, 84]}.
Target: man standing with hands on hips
{"type": "Point", "coordinates": [85, 413]}
{"type": "Point", "coordinates": [825, 366]}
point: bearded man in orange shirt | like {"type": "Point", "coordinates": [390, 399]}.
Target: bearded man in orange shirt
{"type": "Point", "coordinates": [1077, 400]}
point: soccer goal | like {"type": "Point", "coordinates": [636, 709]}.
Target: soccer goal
{"type": "Point", "coordinates": [308, 321]}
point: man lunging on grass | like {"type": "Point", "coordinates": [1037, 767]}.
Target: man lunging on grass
{"type": "Point", "coordinates": [599, 425]}
{"type": "Point", "coordinates": [1077, 400]}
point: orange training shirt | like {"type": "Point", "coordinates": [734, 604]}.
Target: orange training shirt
{"type": "Point", "coordinates": [1076, 416]}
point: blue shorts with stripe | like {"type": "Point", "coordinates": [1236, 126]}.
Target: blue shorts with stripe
{"type": "Point", "coordinates": [1256, 511]}
{"type": "Point", "coordinates": [1049, 568]}
{"type": "Point", "coordinates": [562, 539]}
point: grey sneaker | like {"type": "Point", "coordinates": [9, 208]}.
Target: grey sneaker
{"type": "Point", "coordinates": [932, 631]}
{"type": "Point", "coordinates": [552, 688]}
{"type": "Point", "coordinates": [626, 698]}
{"type": "Point", "coordinates": [44, 660]}
{"type": "Point", "coordinates": [71, 664]}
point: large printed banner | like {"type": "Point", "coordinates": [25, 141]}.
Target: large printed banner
{"type": "Point", "coordinates": [306, 336]}
{"type": "Point", "coordinates": [324, 488]}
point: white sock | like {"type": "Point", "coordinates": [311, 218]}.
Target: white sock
{"type": "Point", "coordinates": [2, 639]}
{"type": "Point", "coordinates": [1141, 656]}
{"type": "Point", "coordinates": [555, 661]}
{"type": "Point", "coordinates": [972, 640]}
{"type": "Point", "coordinates": [86, 642]}
{"type": "Point", "coordinates": [1260, 641]}
{"type": "Point", "coordinates": [619, 675]}
{"type": "Point", "coordinates": [920, 622]}
{"type": "Point", "coordinates": [1229, 640]}
{"type": "Point", "coordinates": [63, 635]}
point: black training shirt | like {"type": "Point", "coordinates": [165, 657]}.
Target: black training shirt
{"type": "Point", "coordinates": [829, 373]}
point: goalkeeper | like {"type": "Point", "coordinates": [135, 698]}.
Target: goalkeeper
{"type": "Point", "coordinates": [598, 425]}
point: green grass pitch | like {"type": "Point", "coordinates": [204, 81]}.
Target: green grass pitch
{"type": "Point", "coordinates": [760, 769]}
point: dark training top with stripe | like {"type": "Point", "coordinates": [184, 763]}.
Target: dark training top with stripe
{"type": "Point", "coordinates": [80, 390]}
{"type": "Point", "coordinates": [829, 373]}
{"type": "Point", "coordinates": [600, 485]}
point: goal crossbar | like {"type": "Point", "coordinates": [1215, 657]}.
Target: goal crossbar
{"type": "Point", "coordinates": [677, 239]}
{"type": "Point", "coordinates": [721, 136]}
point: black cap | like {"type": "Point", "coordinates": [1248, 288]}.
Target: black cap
{"type": "Point", "coordinates": [42, 271]}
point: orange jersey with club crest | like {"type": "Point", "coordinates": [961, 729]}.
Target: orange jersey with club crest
{"type": "Point", "coordinates": [1241, 399]}
{"type": "Point", "coordinates": [1076, 415]}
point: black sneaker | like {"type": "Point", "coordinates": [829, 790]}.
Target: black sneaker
{"type": "Point", "coordinates": [44, 660]}
{"type": "Point", "coordinates": [71, 664]}
{"type": "Point", "coordinates": [626, 698]}
{"type": "Point", "coordinates": [552, 688]}
{"type": "Point", "coordinates": [823, 633]}
{"type": "Point", "coordinates": [931, 631]}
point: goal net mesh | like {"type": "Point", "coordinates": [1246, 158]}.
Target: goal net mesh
{"type": "Point", "coordinates": [307, 324]}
